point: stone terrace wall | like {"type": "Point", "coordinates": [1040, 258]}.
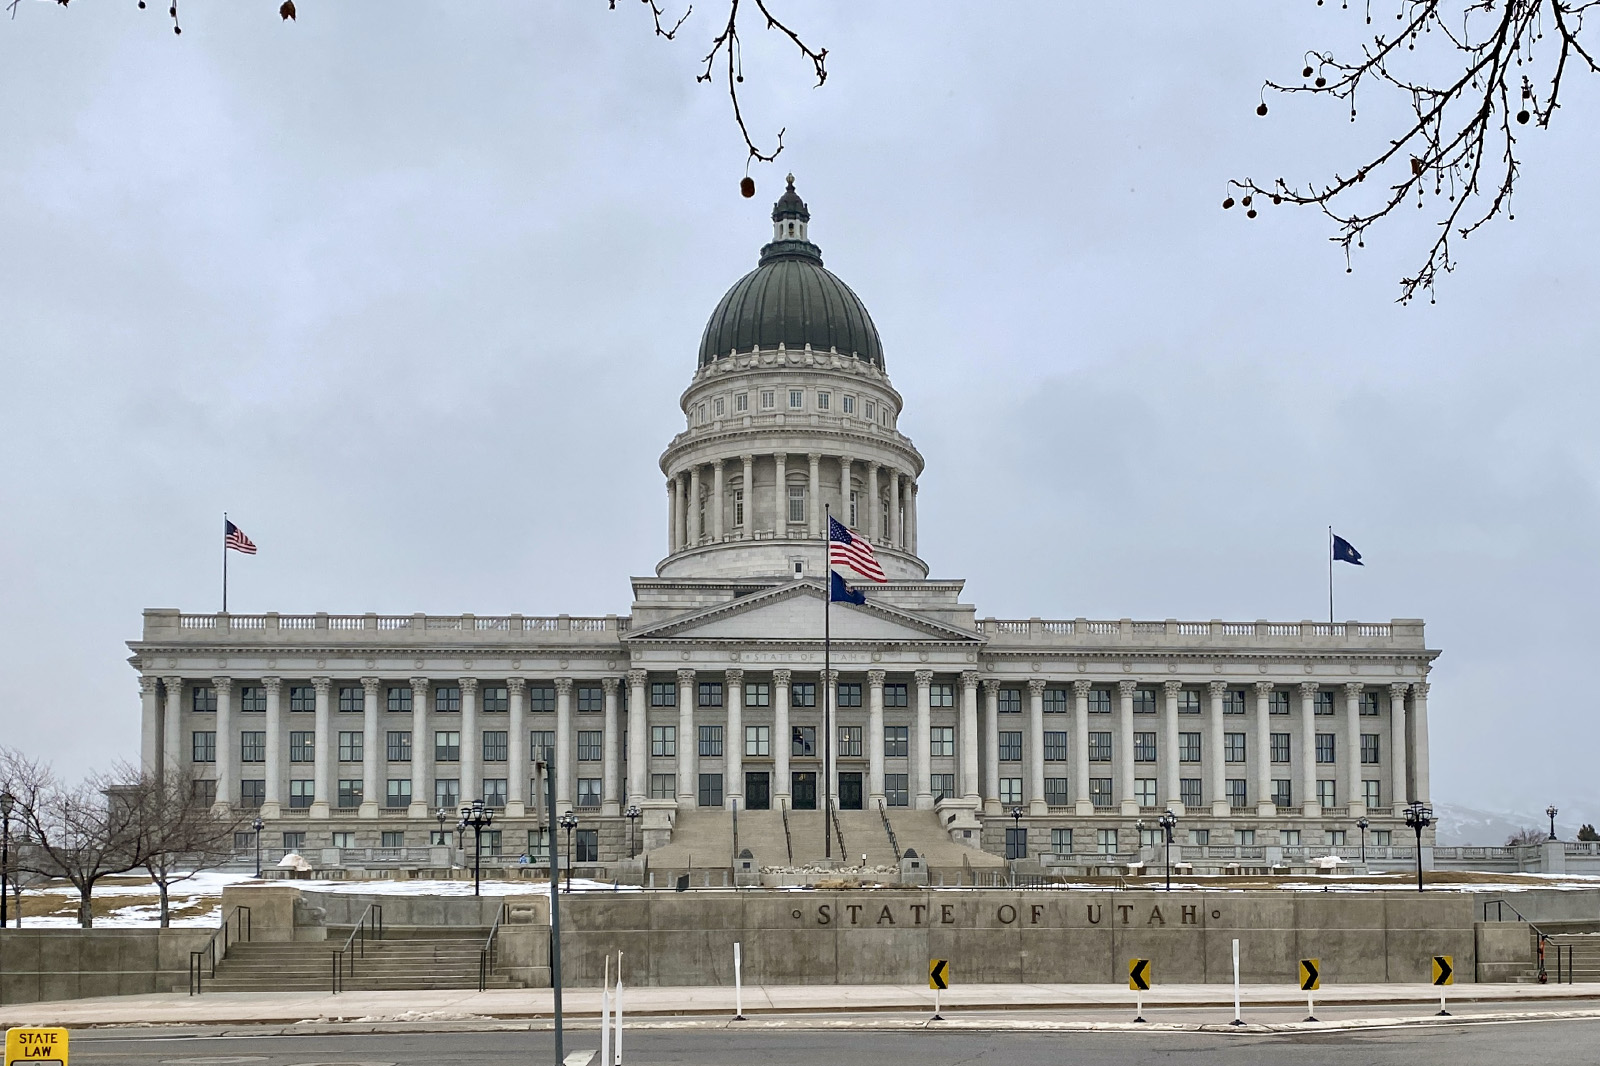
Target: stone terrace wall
{"type": "Point", "coordinates": [46, 964]}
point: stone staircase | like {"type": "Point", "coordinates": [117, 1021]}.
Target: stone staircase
{"type": "Point", "coordinates": [1585, 957]}
{"type": "Point", "coordinates": [407, 959]}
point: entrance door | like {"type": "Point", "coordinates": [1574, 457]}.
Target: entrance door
{"type": "Point", "coordinates": [757, 793]}
{"type": "Point", "coordinates": [849, 792]}
{"type": "Point", "coordinates": [803, 790]}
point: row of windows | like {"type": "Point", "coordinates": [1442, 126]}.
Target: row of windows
{"type": "Point", "coordinates": [1190, 792]}
{"type": "Point", "coordinates": [585, 842]}
{"type": "Point", "coordinates": [1106, 841]}
{"type": "Point", "coordinates": [801, 694]}
{"type": "Point", "coordinates": [717, 406]}
{"type": "Point", "coordinates": [352, 699]}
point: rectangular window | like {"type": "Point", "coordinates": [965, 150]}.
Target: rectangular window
{"type": "Point", "coordinates": [710, 790]}
{"type": "Point", "coordinates": [797, 504]}
{"type": "Point", "coordinates": [1244, 837]}
{"type": "Point", "coordinates": [352, 699]}
{"type": "Point", "coordinates": [717, 406]}
{"type": "Point", "coordinates": [1371, 793]}
{"type": "Point", "coordinates": [1199, 837]}
{"type": "Point", "coordinates": [1061, 842]}
{"type": "Point", "coordinates": [1106, 841]}
{"type": "Point", "coordinates": [1100, 701]}
{"type": "Point", "coordinates": [252, 793]}
{"type": "Point", "coordinates": [393, 838]}
{"type": "Point", "coordinates": [1289, 837]}
{"type": "Point", "coordinates": [663, 740]}
{"type": "Point", "coordinates": [1149, 837]}
{"type": "Point", "coordinates": [302, 746]}
{"type": "Point", "coordinates": [1325, 751]}
{"type": "Point", "coordinates": [349, 792]}
{"type": "Point", "coordinates": [1188, 747]}
{"type": "Point", "coordinates": [1278, 703]}
{"type": "Point", "coordinates": [1055, 792]}
{"type": "Point", "coordinates": [399, 700]}
{"type": "Point", "coordinates": [447, 746]}
{"type": "Point", "coordinates": [758, 740]}
{"type": "Point", "coordinates": [944, 786]}
{"type": "Point", "coordinates": [495, 746]}
{"type": "Point", "coordinates": [849, 741]}
{"type": "Point", "coordinates": [589, 792]}
{"type": "Point", "coordinates": [446, 793]}
{"type": "Point", "coordinates": [1233, 701]}
{"type": "Point", "coordinates": [867, 411]}
{"type": "Point", "coordinates": [1324, 703]}
{"type": "Point", "coordinates": [1337, 837]}
{"type": "Point", "coordinates": [541, 698]}
{"type": "Point", "coordinates": [1016, 842]}
{"type": "Point", "coordinates": [1381, 837]}
{"type": "Point", "coordinates": [351, 746]}
{"type": "Point", "coordinates": [1233, 747]}
{"type": "Point", "coordinates": [741, 402]}
{"type": "Point", "coordinates": [824, 401]}
{"type": "Point", "coordinates": [1011, 745]}
{"type": "Point", "coordinates": [496, 699]}
{"type": "Point", "coordinates": [302, 698]}
{"type": "Point", "coordinates": [1010, 701]}
{"type": "Point", "coordinates": [1189, 793]}
{"type": "Point", "coordinates": [252, 698]}
{"type": "Point", "coordinates": [797, 399]}
{"type": "Point", "coordinates": [1010, 790]}
{"type": "Point", "coordinates": [894, 790]}
{"type": "Point", "coordinates": [849, 404]}
{"type": "Point", "coordinates": [1369, 748]}
{"type": "Point", "coordinates": [1144, 790]}
{"type": "Point", "coordinates": [942, 741]}
{"type": "Point", "coordinates": [1189, 702]}
{"type": "Point", "coordinates": [253, 747]}
{"type": "Point", "coordinates": [447, 699]}
{"type": "Point", "coordinates": [203, 698]}
{"type": "Point", "coordinates": [1100, 747]}
{"type": "Point", "coordinates": [663, 693]}
{"type": "Point", "coordinates": [1238, 796]}
{"type": "Point", "coordinates": [1369, 705]}
{"type": "Point", "coordinates": [1144, 747]}
{"type": "Point", "coordinates": [397, 792]}
{"type": "Point", "coordinates": [1144, 701]}
{"type": "Point", "coordinates": [769, 399]}
{"type": "Point", "coordinates": [399, 745]}
{"type": "Point", "coordinates": [1327, 794]}
{"type": "Point", "coordinates": [542, 745]}
{"type": "Point", "coordinates": [710, 740]}
{"type": "Point", "coordinates": [941, 694]}
{"type": "Point", "coordinates": [1100, 791]}
{"type": "Point", "coordinates": [849, 694]}
{"type": "Point", "coordinates": [738, 507]}
{"type": "Point", "coordinates": [1282, 792]}
{"type": "Point", "coordinates": [803, 740]}
{"type": "Point", "coordinates": [1280, 747]}
{"type": "Point", "coordinates": [295, 840]}
{"type": "Point", "coordinates": [1055, 701]}
{"type": "Point", "coordinates": [895, 695]}
{"type": "Point", "coordinates": [896, 741]}
{"type": "Point", "coordinates": [203, 746]}
{"type": "Point", "coordinates": [586, 844]}
{"type": "Point", "coordinates": [589, 745]}
{"type": "Point", "coordinates": [1055, 746]}
{"type": "Point", "coordinates": [711, 693]}
{"type": "Point", "coordinates": [757, 694]}
{"type": "Point", "coordinates": [494, 792]}
{"type": "Point", "coordinates": [803, 694]}
{"type": "Point", "coordinates": [301, 793]}
{"type": "Point", "coordinates": [663, 786]}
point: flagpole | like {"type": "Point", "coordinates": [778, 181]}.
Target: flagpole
{"type": "Point", "coordinates": [827, 685]}
{"type": "Point", "coordinates": [1330, 575]}
{"type": "Point", "coordinates": [224, 562]}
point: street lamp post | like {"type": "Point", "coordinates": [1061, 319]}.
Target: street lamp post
{"type": "Point", "coordinates": [1419, 816]}
{"type": "Point", "coordinates": [1167, 822]}
{"type": "Point", "coordinates": [633, 813]}
{"type": "Point", "coordinates": [1016, 824]}
{"type": "Point", "coordinates": [1362, 825]}
{"type": "Point", "coordinates": [479, 818]}
{"type": "Point", "coordinates": [1552, 812]}
{"type": "Point", "coordinates": [257, 826]}
{"type": "Point", "coordinates": [568, 823]}
{"type": "Point", "coordinates": [7, 803]}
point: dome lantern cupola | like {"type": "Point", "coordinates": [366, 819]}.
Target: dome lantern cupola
{"type": "Point", "coordinates": [789, 215]}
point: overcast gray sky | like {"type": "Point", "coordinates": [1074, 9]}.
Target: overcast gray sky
{"type": "Point", "coordinates": [411, 289]}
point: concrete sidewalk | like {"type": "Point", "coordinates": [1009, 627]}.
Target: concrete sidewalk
{"type": "Point", "coordinates": [661, 1004]}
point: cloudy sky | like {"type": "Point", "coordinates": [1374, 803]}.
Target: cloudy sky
{"type": "Point", "coordinates": [411, 289]}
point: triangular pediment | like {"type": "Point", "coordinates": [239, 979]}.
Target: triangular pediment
{"type": "Point", "coordinates": [792, 614]}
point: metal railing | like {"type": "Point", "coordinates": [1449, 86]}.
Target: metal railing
{"type": "Point", "coordinates": [204, 960]}
{"type": "Point", "coordinates": [887, 828]}
{"type": "Point", "coordinates": [1503, 905]}
{"type": "Point", "coordinates": [487, 956]}
{"type": "Point", "coordinates": [833, 813]}
{"type": "Point", "coordinates": [788, 842]}
{"type": "Point", "coordinates": [344, 959]}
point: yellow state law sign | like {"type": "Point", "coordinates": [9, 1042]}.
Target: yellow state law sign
{"type": "Point", "coordinates": [46, 1046]}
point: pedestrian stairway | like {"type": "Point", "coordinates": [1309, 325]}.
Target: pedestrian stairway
{"type": "Point", "coordinates": [405, 959]}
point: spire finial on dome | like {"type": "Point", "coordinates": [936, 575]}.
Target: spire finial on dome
{"type": "Point", "coordinates": [790, 180]}
{"type": "Point", "coordinates": [789, 206]}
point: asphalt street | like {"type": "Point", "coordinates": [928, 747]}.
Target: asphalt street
{"type": "Point", "coordinates": [1482, 1044]}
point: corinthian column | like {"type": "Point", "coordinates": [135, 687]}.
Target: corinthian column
{"type": "Point", "coordinates": [733, 736]}
{"type": "Point", "coordinates": [610, 760]}
{"type": "Point", "coordinates": [814, 496]}
{"type": "Point", "coordinates": [638, 739]}
{"type": "Point", "coordinates": [911, 517]}
{"type": "Point", "coordinates": [322, 778]}
{"type": "Point", "coordinates": [272, 803]}
{"type": "Point", "coordinates": [874, 506]}
{"type": "Point", "coordinates": [1080, 747]}
{"type": "Point", "coordinates": [680, 503]}
{"type": "Point", "coordinates": [566, 787]}
{"type": "Point", "coordinates": [844, 490]}
{"type": "Point", "coordinates": [422, 762]}
{"type": "Point", "coordinates": [747, 528]}
{"type": "Point", "coordinates": [1125, 795]}
{"type": "Point", "coordinates": [1170, 786]}
{"type": "Point", "coordinates": [1419, 740]}
{"type": "Point", "coordinates": [1355, 798]}
{"type": "Point", "coordinates": [695, 531]}
{"type": "Point", "coordinates": [149, 725]}
{"type": "Point", "coordinates": [172, 732]}
{"type": "Point", "coordinates": [371, 752]}
{"type": "Point", "coordinates": [1264, 806]}
{"type": "Point", "coordinates": [471, 743]}
{"type": "Point", "coordinates": [672, 515]}
{"type": "Point", "coordinates": [780, 737]}
{"type": "Point", "coordinates": [227, 746]}
{"type": "Point", "coordinates": [1216, 771]}
{"type": "Point", "coordinates": [875, 795]}
{"type": "Point", "coordinates": [780, 497]}
{"type": "Point", "coordinates": [716, 501]}
{"type": "Point", "coordinates": [517, 749]}
{"type": "Point", "coordinates": [1036, 801]}
{"type": "Point", "coordinates": [920, 741]}
{"type": "Point", "coordinates": [1399, 792]}
{"type": "Point", "coordinates": [970, 786]}
{"type": "Point", "coordinates": [1308, 748]}
{"type": "Point", "coordinates": [688, 772]}
{"type": "Point", "coordinates": [896, 537]}
{"type": "Point", "coordinates": [991, 745]}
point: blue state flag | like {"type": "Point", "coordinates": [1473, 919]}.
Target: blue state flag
{"type": "Point", "coordinates": [842, 593]}
{"type": "Point", "coordinates": [1345, 552]}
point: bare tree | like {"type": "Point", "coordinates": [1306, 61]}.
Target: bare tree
{"type": "Point", "coordinates": [1471, 73]}
{"type": "Point", "coordinates": [1524, 837]}
{"type": "Point", "coordinates": [181, 835]}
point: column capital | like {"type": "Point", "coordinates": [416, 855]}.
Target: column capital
{"type": "Point", "coordinates": [924, 678]}
{"type": "Point", "coordinates": [814, 457]}
{"type": "Point", "coordinates": [830, 677]}
{"type": "Point", "coordinates": [147, 684]}
{"type": "Point", "coordinates": [322, 684]}
{"type": "Point", "coordinates": [469, 685]}
{"type": "Point", "coordinates": [370, 684]}
{"type": "Point", "coordinates": [609, 684]}
{"type": "Point", "coordinates": [419, 684]}
{"type": "Point", "coordinates": [226, 683]}
{"type": "Point", "coordinates": [969, 679]}
{"type": "Point", "coordinates": [638, 677]}
{"type": "Point", "coordinates": [875, 678]}
{"type": "Point", "coordinates": [716, 464]}
{"type": "Point", "coordinates": [1217, 688]}
{"type": "Point", "coordinates": [1081, 687]}
{"type": "Point", "coordinates": [747, 459]}
{"type": "Point", "coordinates": [733, 677]}
{"type": "Point", "coordinates": [1398, 690]}
{"type": "Point", "coordinates": [1308, 689]}
{"type": "Point", "coordinates": [1036, 686]}
{"type": "Point", "coordinates": [272, 684]}
{"type": "Point", "coordinates": [1172, 687]}
{"type": "Point", "coordinates": [563, 686]}
{"type": "Point", "coordinates": [1127, 686]}
{"type": "Point", "coordinates": [1420, 690]}
{"type": "Point", "coordinates": [1353, 688]}
{"type": "Point", "coordinates": [991, 685]}
{"type": "Point", "coordinates": [1264, 688]}
{"type": "Point", "coordinates": [174, 684]}
{"type": "Point", "coordinates": [516, 686]}
{"type": "Point", "coordinates": [781, 677]}
{"type": "Point", "coordinates": [685, 677]}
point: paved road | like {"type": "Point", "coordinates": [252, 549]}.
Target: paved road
{"type": "Point", "coordinates": [1454, 1045]}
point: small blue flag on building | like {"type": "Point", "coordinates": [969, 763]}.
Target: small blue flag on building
{"type": "Point", "coordinates": [842, 593]}
{"type": "Point", "coordinates": [1345, 552]}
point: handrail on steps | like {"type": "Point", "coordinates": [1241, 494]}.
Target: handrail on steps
{"type": "Point", "coordinates": [838, 830]}
{"type": "Point", "coordinates": [788, 843]}
{"type": "Point", "coordinates": [487, 955]}
{"type": "Point", "coordinates": [345, 958]}
{"type": "Point", "coordinates": [1503, 905]}
{"type": "Point", "coordinates": [883, 812]}
{"type": "Point", "coordinates": [207, 956]}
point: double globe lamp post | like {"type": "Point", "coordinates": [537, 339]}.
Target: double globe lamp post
{"type": "Point", "coordinates": [477, 817]}
{"type": "Point", "coordinates": [632, 814]}
{"type": "Point", "coordinates": [1419, 816]}
{"type": "Point", "coordinates": [569, 822]}
{"type": "Point", "coordinates": [257, 826]}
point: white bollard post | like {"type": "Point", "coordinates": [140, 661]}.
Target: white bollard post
{"type": "Point", "coordinates": [738, 988]}
{"type": "Point", "coordinates": [616, 1045]}
{"type": "Point", "coordinates": [605, 1015]}
{"type": "Point", "coordinates": [1237, 1020]}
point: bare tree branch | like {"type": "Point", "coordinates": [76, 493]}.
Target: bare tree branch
{"type": "Point", "coordinates": [1460, 143]}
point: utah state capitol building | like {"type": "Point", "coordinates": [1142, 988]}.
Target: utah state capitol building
{"type": "Point", "coordinates": [1052, 737]}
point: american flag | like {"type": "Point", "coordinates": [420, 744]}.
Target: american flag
{"type": "Point", "coordinates": [851, 549]}
{"type": "Point", "coordinates": [233, 537]}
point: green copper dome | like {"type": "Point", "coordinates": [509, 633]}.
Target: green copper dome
{"type": "Point", "coordinates": [790, 299]}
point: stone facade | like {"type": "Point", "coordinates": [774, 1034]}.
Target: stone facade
{"type": "Point", "coordinates": [1053, 737]}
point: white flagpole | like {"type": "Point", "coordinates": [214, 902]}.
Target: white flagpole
{"type": "Point", "coordinates": [224, 562]}
{"type": "Point", "coordinates": [1330, 575]}
{"type": "Point", "coordinates": [605, 1015]}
